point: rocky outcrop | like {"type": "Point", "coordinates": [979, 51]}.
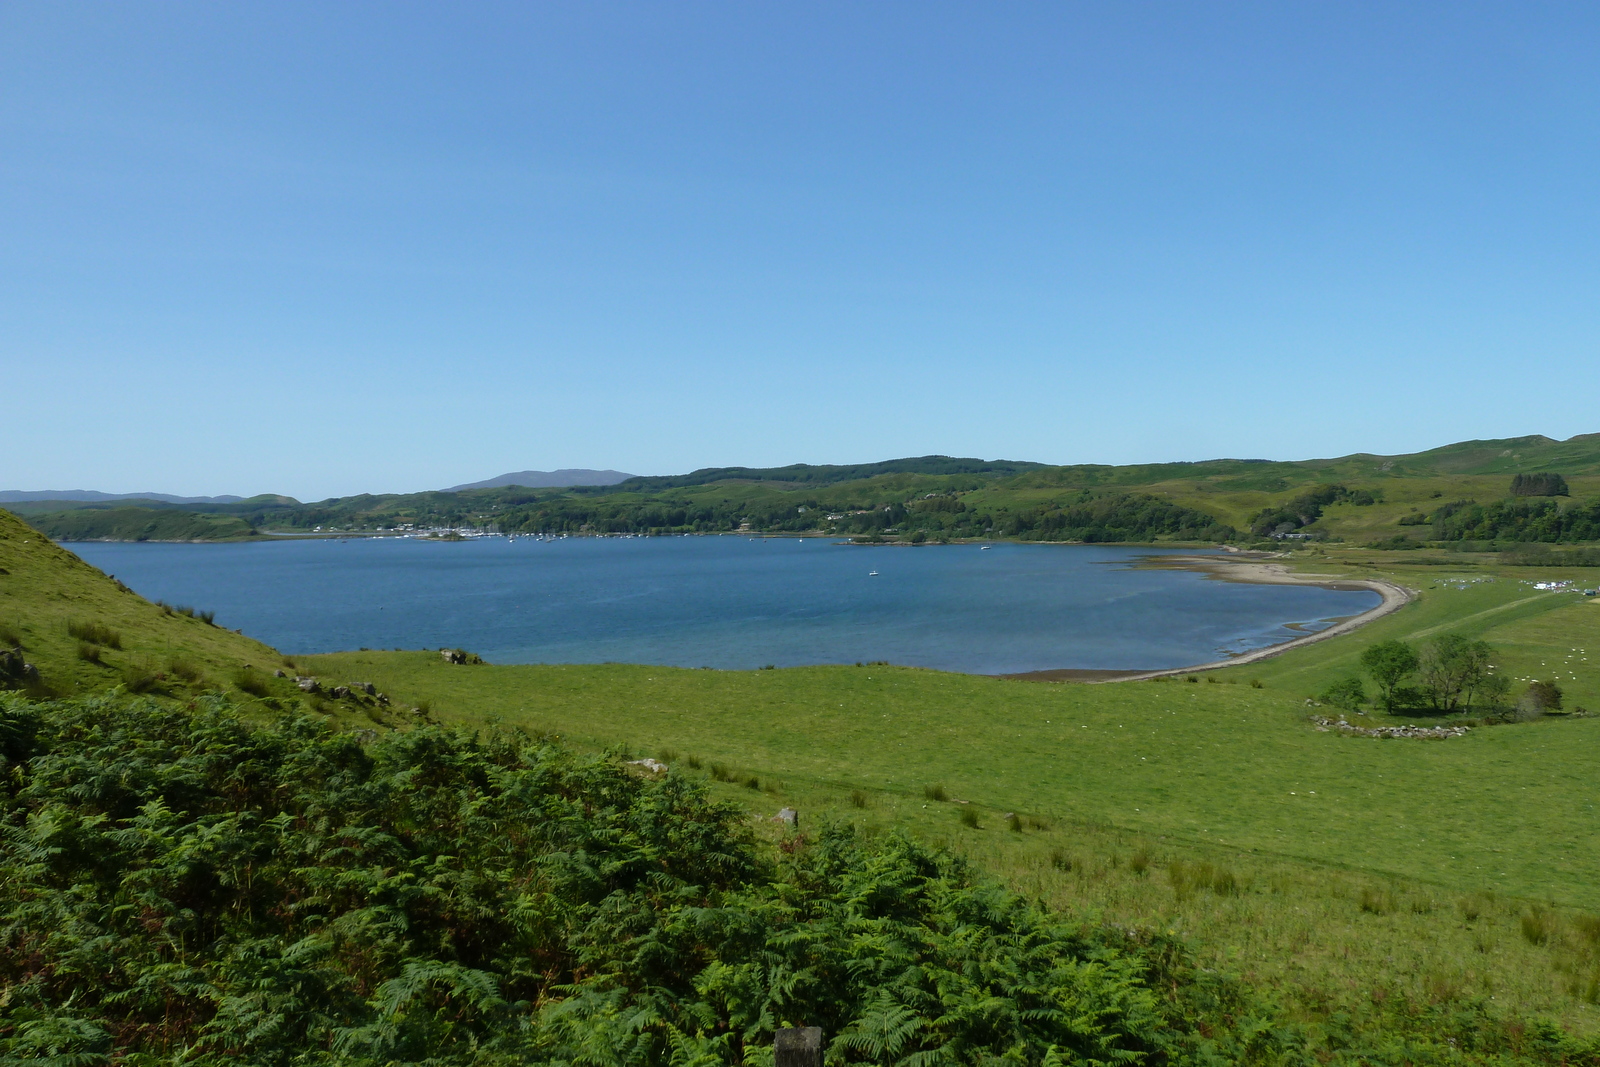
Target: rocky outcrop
{"type": "Point", "coordinates": [14, 670]}
{"type": "Point", "coordinates": [1436, 733]}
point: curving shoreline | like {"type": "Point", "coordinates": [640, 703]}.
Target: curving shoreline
{"type": "Point", "coordinates": [1254, 572]}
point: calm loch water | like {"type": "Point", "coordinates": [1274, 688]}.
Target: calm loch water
{"type": "Point", "coordinates": [727, 602]}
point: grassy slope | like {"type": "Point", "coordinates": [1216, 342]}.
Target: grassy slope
{"type": "Point", "coordinates": [1360, 868]}
{"type": "Point", "coordinates": [1369, 867]}
{"type": "Point", "coordinates": [1505, 808]}
{"type": "Point", "coordinates": [1320, 831]}
{"type": "Point", "coordinates": [43, 588]}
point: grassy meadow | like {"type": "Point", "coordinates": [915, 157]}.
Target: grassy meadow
{"type": "Point", "coordinates": [1352, 873]}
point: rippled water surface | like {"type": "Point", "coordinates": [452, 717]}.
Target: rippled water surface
{"type": "Point", "coordinates": [727, 602]}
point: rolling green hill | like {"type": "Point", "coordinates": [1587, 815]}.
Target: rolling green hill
{"type": "Point", "coordinates": [1358, 499]}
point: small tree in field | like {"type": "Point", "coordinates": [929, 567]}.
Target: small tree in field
{"type": "Point", "coordinates": [1389, 663]}
{"type": "Point", "coordinates": [1491, 690]}
{"type": "Point", "coordinates": [1539, 698]}
{"type": "Point", "coordinates": [1452, 668]}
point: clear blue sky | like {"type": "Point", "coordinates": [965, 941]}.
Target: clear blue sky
{"type": "Point", "coordinates": [322, 248]}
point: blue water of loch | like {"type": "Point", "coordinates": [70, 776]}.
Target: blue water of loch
{"type": "Point", "coordinates": [727, 602]}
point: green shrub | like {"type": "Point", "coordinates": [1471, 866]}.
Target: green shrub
{"type": "Point", "coordinates": [969, 817]}
{"type": "Point", "coordinates": [95, 633]}
{"type": "Point", "coordinates": [935, 792]}
{"type": "Point", "coordinates": [1013, 823]}
{"type": "Point", "coordinates": [858, 799]}
{"type": "Point", "coordinates": [1347, 694]}
{"type": "Point", "coordinates": [1539, 698]}
{"type": "Point", "coordinates": [88, 653]}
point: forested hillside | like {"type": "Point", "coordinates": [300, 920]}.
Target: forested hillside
{"type": "Point", "coordinates": [1529, 489]}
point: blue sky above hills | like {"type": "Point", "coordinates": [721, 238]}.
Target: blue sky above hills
{"type": "Point", "coordinates": [320, 249]}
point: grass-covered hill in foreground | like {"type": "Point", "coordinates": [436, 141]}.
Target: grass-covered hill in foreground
{"type": "Point", "coordinates": [84, 631]}
{"type": "Point", "coordinates": [1357, 499]}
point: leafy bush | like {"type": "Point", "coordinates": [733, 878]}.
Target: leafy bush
{"type": "Point", "coordinates": [1539, 698]}
{"type": "Point", "coordinates": [1347, 694]}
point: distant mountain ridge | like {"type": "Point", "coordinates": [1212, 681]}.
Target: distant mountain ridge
{"type": "Point", "coordinates": [24, 496]}
{"type": "Point", "coordinates": [833, 473]}
{"type": "Point", "coordinates": [560, 479]}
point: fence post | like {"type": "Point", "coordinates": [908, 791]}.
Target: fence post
{"type": "Point", "coordinates": [800, 1046]}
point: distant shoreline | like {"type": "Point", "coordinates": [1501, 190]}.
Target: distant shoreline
{"type": "Point", "coordinates": [1253, 572]}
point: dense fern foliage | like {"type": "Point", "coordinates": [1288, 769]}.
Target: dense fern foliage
{"type": "Point", "coordinates": [182, 886]}
{"type": "Point", "coordinates": [178, 886]}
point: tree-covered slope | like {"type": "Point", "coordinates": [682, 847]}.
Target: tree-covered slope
{"type": "Point", "coordinates": [103, 523]}
{"type": "Point", "coordinates": [937, 496]}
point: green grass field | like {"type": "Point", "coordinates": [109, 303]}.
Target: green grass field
{"type": "Point", "coordinates": [1352, 869]}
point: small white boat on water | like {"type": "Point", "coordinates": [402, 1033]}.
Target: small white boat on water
{"type": "Point", "coordinates": [872, 574]}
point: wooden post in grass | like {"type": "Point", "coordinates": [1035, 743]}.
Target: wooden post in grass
{"type": "Point", "coordinates": [800, 1046]}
